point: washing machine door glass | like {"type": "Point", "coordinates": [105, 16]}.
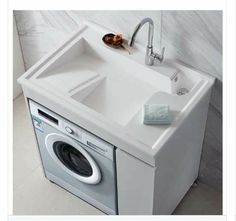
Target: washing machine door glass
{"type": "Point", "coordinates": [73, 158]}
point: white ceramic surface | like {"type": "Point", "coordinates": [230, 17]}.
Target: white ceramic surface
{"type": "Point", "coordinates": [108, 88]}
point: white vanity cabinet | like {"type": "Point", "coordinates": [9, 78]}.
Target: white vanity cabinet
{"type": "Point", "coordinates": [103, 90]}
{"type": "Point", "coordinates": [146, 189]}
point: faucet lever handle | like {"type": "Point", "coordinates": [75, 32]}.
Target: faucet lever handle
{"type": "Point", "coordinates": [162, 54]}
{"type": "Point", "coordinates": [159, 57]}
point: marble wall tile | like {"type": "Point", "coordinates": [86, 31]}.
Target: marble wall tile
{"type": "Point", "coordinates": [217, 96]}
{"type": "Point", "coordinates": [194, 37]}
{"type": "Point", "coordinates": [211, 160]}
{"type": "Point", "coordinates": [41, 31]}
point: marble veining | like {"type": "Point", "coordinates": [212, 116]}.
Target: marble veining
{"type": "Point", "coordinates": [195, 38]}
{"type": "Point", "coordinates": [41, 31]}
{"type": "Point", "coordinates": [211, 160]}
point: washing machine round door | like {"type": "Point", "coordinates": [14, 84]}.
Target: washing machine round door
{"type": "Point", "coordinates": [73, 158]}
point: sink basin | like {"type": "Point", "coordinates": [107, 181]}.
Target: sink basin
{"type": "Point", "coordinates": [104, 81]}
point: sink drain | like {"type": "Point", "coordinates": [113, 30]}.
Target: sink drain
{"type": "Point", "coordinates": [182, 91]}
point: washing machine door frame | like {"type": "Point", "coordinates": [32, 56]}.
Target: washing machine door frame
{"type": "Point", "coordinates": [52, 138]}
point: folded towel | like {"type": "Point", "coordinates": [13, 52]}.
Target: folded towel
{"type": "Point", "coordinates": [156, 114]}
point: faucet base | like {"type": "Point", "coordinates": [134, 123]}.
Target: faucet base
{"type": "Point", "coordinates": [149, 59]}
{"type": "Point", "coordinates": [151, 56]}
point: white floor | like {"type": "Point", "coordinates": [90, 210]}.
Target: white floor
{"type": "Point", "coordinates": [35, 195]}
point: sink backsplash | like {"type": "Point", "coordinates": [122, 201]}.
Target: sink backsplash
{"type": "Point", "coordinates": [194, 37]}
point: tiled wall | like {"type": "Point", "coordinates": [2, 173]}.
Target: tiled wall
{"type": "Point", "coordinates": [194, 37]}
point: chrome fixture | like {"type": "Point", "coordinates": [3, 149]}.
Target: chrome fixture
{"type": "Point", "coordinates": [150, 55]}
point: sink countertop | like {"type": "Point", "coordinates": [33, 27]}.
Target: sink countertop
{"type": "Point", "coordinates": [96, 99]}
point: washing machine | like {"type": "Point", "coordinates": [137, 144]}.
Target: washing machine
{"type": "Point", "coordinates": [75, 159]}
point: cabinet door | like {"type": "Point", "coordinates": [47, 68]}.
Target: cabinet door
{"type": "Point", "coordinates": [135, 185]}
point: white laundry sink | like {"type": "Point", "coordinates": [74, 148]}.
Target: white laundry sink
{"type": "Point", "coordinates": [109, 86]}
{"type": "Point", "coordinates": [103, 80]}
{"type": "Point", "coordinates": [103, 90]}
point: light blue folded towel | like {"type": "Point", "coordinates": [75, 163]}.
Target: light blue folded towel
{"type": "Point", "coordinates": [156, 114]}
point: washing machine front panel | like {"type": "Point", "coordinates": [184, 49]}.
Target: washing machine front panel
{"type": "Point", "coordinates": [97, 187]}
{"type": "Point", "coordinates": [72, 158]}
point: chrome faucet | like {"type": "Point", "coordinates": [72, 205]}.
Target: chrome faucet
{"type": "Point", "coordinates": [150, 55]}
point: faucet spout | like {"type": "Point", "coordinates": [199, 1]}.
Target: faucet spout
{"type": "Point", "coordinates": [150, 55]}
{"type": "Point", "coordinates": [150, 31]}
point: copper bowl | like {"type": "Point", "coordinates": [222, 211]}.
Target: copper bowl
{"type": "Point", "coordinates": [110, 44]}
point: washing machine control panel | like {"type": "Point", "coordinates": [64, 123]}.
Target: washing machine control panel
{"type": "Point", "coordinates": [69, 130]}
{"type": "Point", "coordinates": [41, 114]}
